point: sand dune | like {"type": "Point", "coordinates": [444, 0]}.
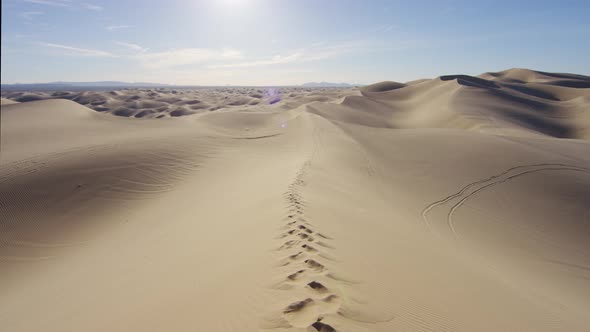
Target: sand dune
{"type": "Point", "coordinates": [504, 104]}
{"type": "Point", "coordinates": [457, 203]}
{"type": "Point", "coordinates": [5, 101]}
{"type": "Point", "coordinates": [164, 102]}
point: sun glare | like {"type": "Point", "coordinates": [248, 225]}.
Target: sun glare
{"type": "Point", "coordinates": [233, 3]}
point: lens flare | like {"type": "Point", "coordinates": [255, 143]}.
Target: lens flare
{"type": "Point", "coordinates": [272, 96]}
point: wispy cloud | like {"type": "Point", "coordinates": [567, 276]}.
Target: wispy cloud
{"type": "Point", "coordinates": [277, 59]}
{"type": "Point", "coordinates": [76, 51]}
{"type": "Point", "coordinates": [131, 46]}
{"type": "Point", "coordinates": [117, 27]}
{"type": "Point", "coordinates": [30, 15]}
{"type": "Point", "coordinates": [186, 56]}
{"type": "Point", "coordinates": [230, 53]}
{"type": "Point", "coordinates": [54, 3]}
{"type": "Point", "coordinates": [66, 4]}
{"type": "Point", "coordinates": [223, 58]}
{"type": "Point", "coordinates": [315, 52]}
{"type": "Point", "coordinates": [154, 60]}
{"type": "Point", "coordinates": [90, 6]}
{"type": "Point", "coordinates": [384, 28]}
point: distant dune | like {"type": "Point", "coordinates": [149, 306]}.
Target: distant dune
{"type": "Point", "coordinates": [458, 203]}
{"type": "Point", "coordinates": [519, 101]}
{"type": "Point", "coordinates": [383, 86]}
{"type": "Point", "coordinates": [168, 102]}
{"type": "Point", "coordinates": [5, 101]}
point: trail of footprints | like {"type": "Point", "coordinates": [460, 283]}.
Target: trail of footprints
{"type": "Point", "coordinates": [305, 253]}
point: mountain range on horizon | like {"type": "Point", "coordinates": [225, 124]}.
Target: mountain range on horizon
{"type": "Point", "coordinates": [321, 84]}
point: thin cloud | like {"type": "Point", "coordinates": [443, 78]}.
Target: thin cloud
{"type": "Point", "coordinates": [54, 3]}
{"type": "Point", "coordinates": [153, 60]}
{"type": "Point", "coordinates": [384, 28]}
{"type": "Point", "coordinates": [30, 15]}
{"type": "Point", "coordinates": [277, 59]}
{"type": "Point", "coordinates": [131, 46]}
{"type": "Point", "coordinates": [315, 52]}
{"type": "Point", "coordinates": [66, 4]}
{"type": "Point", "coordinates": [229, 53]}
{"type": "Point", "coordinates": [76, 51]}
{"type": "Point", "coordinates": [226, 58]}
{"type": "Point", "coordinates": [90, 6]}
{"type": "Point", "coordinates": [185, 56]}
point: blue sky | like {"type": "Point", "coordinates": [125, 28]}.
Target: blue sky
{"type": "Point", "coordinates": [277, 42]}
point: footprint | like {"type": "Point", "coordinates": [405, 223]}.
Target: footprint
{"type": "Point", "coordinates": [331, 303]}
{"type": "Point", "coordinates": [296, 275]}
{"type": "Point", "coordinates": [297, 306]}
{"type": "Point", "coordinates": [296, 256]}
{"type": "Point", "coordinates": [305, 229]}
{"type": "Point", "coordinates": [330, 298]}
{"type": "Point", "coordinates": [321, 327]}
{"type": "Point", "coordinates": [302, 314]}
{"type": "Point", "coordinates": [309, 248]}
{"type": "Point", "coordinates": [314, 265]}
{"type": "Point", "coordinates": [289, 244]}
{"type": "Point", "coordinates": [318, 287]}
{"type": "Point", "coordinates": [305, 236]}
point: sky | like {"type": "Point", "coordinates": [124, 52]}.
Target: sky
{"type": "Point", "coordinates": [280, 42]}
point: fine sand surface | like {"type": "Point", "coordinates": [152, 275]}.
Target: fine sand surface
{"type": "Point", "coordinates": [453, 204]}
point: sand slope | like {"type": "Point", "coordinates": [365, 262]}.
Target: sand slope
{"type": "Point", "coordinates": [6, 101]}
{"type": "Point", "coordinates": [453, 204]}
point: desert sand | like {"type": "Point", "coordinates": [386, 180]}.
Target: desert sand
{"type": "Point", "coordinates": [457, 203]}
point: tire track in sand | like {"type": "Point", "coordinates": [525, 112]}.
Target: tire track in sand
{"type": "Point", "coordinates": [476, 187]}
